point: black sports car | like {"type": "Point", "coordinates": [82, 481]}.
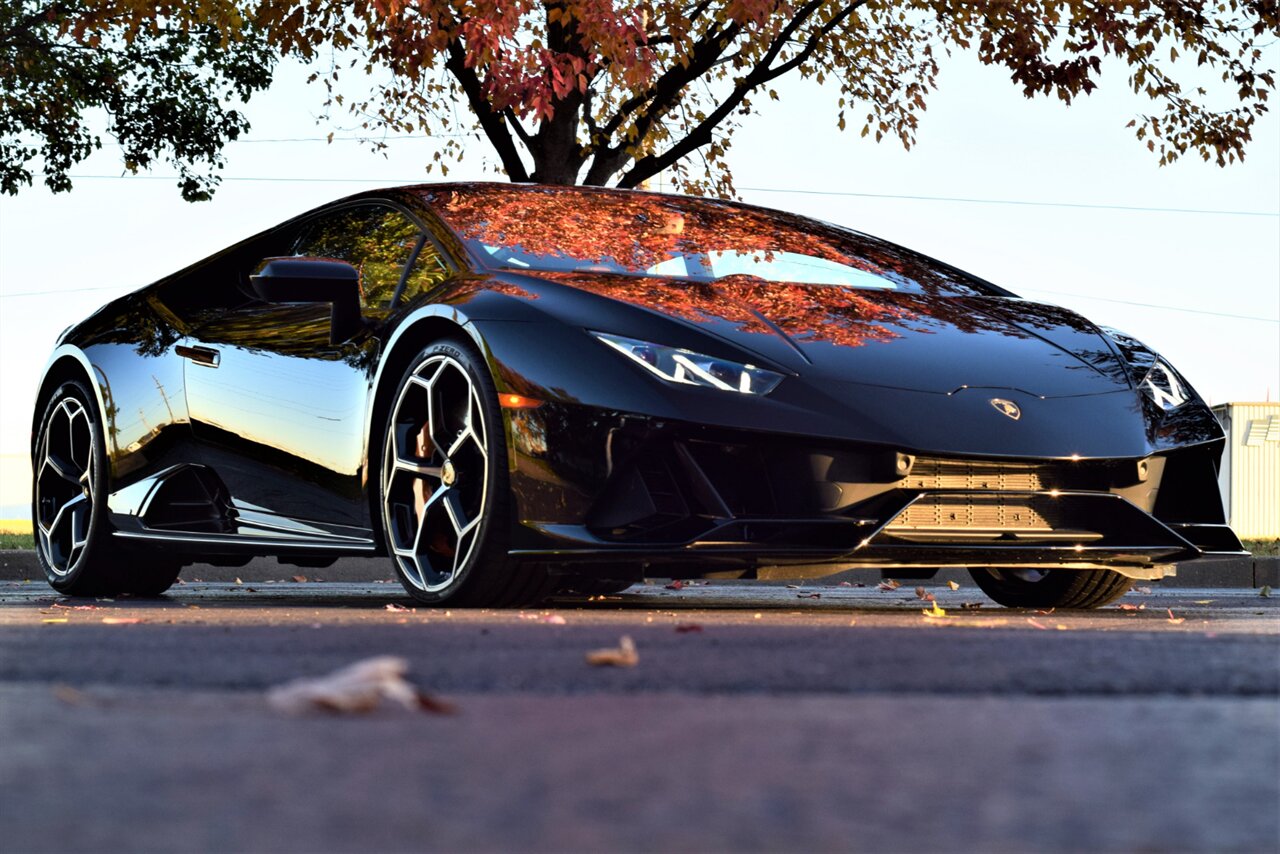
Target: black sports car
{"type": "Point", "coordinates": [510, 390]}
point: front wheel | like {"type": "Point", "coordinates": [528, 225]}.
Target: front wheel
{"type": "Point", "coordinates": [444, 490]}
{"type": "Point", "coordinates": [1051, 588]}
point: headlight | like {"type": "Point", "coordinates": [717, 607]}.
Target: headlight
{"type": "Point", "coordinates": [1150, 373]}
{"type": "Point", "coordinates": [1164, 387]}
{"type": "Point", "coordinates": [688, 368]}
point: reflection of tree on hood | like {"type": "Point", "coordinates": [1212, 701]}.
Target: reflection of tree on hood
{"type": "Point", "coordinates": [600, 232]}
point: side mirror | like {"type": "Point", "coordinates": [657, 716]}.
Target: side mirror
{"type": "Point", "coordinates": [314, 280]}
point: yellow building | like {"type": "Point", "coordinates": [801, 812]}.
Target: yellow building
{"type": "Point", "coordinates": [1250, 475]}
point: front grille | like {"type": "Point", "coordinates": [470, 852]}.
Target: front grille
{"type": "Point", "coordinates": [999, 512]}
{"type": "Point", "coordinates": [937, 474]}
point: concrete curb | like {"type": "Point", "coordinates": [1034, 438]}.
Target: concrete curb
{"type": "Point", "coordinates": [20, 565]}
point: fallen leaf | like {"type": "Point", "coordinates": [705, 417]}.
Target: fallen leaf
{"type": "Point", "coordinates": [435, 705]}
{"type": "Point", "coordinates": [1037, 624]}
{"type": "Point", "coordinates": [1143, 590]}
{"type": "Point", "coordinates": [921, 593]}
{"type": "Point", "coordinates": [1173, 619]}
{"type": "Point", "coordinates": [623, 655]}
{"type": "Point", "coordinates": [238, 581]}
{"type": "Point", "coordinates": [808, 595]}
{"type": "Point", "coordinates": [1265, 592]}
{"type": "Point", "coordinates": [1060, 627]}
{"type": "Point", "coordinates": [1125, 606]}
{"type": "Point", "coordinates": [888, 584]}
{"type": "Point", "coordinates": [70, 696]}
{"type": "Point", "coordinates": [844, 584]}
{"type": "Point", "coordinates": [392, 606]}
{"type": "Point", "coordinates": [553, 619]}
{"type": "Point", "coordinates": [121, 621]}
{"type": "Point", "coordinates": [935, 611]}
{"type": "Point", "coordinates": [1203, 601]}
{"type": "Point", "coordinates": [676, 585]}
{"type": "Point", "coordinates": [1046, 613]}
{"type": "Point", "coordinates": [356, 688]}
{"type": "Point", "coordinates": [55, 620]}
{"type": "Point", "coordinates": [686, 628]}
{"type": "Point", "coordinates": [793, 586]}
{"type": "Point", "coordinates": [299, 578]}
{"type": "Point", "coordinates": [78, 607]}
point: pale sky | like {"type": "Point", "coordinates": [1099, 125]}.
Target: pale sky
{"type": "Point", "coordinates": [62, 256]}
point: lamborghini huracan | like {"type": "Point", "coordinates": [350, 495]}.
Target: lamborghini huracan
{"type": "Point", "coordinates": [512, 390]}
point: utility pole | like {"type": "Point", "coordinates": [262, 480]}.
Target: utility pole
{"type": "Point", "coordinates": [164, 397]}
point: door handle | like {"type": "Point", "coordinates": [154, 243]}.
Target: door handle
{"type": "Point", "coordinates": [200, 355]}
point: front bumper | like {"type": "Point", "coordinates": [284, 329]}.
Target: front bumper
{"type": "Point", "coordinates": [595, 486]}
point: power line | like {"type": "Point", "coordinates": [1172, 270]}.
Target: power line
{"type": "Point", "coordinates": [956, 199]}
{"type": "Point", "coordinates": [1153, 305]}
{"type": "Point", "coordinates": [1020, 202]}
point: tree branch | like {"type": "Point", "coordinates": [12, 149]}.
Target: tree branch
{"type": "Point", "coordinates": [702, 134]}
{"type": "Point", "coordinates": [660, 96]}
{"type": "Point", "coordinates": [491, 122]}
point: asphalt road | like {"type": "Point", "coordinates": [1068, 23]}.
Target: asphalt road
{"type": "Point", "coordinates": [757, 718]}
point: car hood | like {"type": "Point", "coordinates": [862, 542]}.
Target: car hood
{"type": "Point", "coordinates": [913, 341]}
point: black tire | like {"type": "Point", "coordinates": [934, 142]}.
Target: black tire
{"type": "Point", "coordinates": [481, 573]}
{"type": "Point", "coordinates": [75, 549]}
{"type": "Point", "coordinates": [1052, 588]}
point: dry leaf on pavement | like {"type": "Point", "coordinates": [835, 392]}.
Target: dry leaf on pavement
{"type": "Point", "coordinates": [686, 628]}
{"type": "Point", "coordinates": [953, 585]}
{"type": "Point", "coordinates": [676, 585]}
{"type": "Point", "coordinates": [935, 611]}
{"type": "Point", "coordinates": [121, 621]}
{"type": "Point", "coordinates": [1173, 619]}
{"type": "Point", "coordinates": [623, 655]}
{"type": "Point", "coordinates": [970, 606]}
{"type": "Point", "coordinates": [1125, 606]}
{"type": "Point", "coordinates": [921, 593]}
{"type": "Point", "coordinates": [70, 696]}
{"type": "Point", "coordinates": [888, 584]}
{"type": "Point", "coordinates": [1037, 624]}
{"type": "Point", "coordinates": [356, 688]}
{"type": "Point", "coordinates": [392, 606]}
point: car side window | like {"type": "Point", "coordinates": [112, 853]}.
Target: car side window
{"type": "Point", "coordinates": [377, 240]}
{"type": "Point", "coordinates": [429, 270]}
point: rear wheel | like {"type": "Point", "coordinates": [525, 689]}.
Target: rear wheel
{"type": "Point", "coordinates": [444, 486]}
{"type": "Point", "coordinates": [1051, 588]}
{"type": "Point", "coordinates": [69, 507]}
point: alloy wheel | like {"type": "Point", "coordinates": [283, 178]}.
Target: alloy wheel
{"type": "Point", "coordinates": [435, 474]}
{"type": "Point", "coordinates": [64, 486]}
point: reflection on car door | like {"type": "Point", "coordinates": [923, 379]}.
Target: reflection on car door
{"type": "Point", "coordinates": [279, 411]}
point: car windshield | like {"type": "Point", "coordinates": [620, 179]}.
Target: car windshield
{"type": "Point", "coordinates": [566, 230]}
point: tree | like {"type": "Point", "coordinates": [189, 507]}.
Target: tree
{"type": "Point", "coordinates": [163, 72]}
{"type": "Point", "coordinates": [598, 92]}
